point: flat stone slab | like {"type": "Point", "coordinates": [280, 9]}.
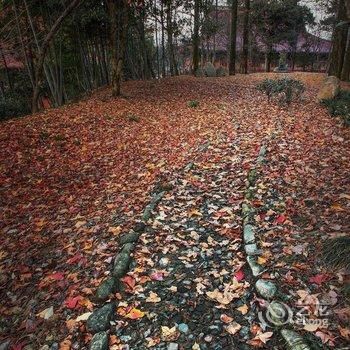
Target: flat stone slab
{"type": "Point", "coordinates": [265, 288]}
{"type": "Point", "coordinates": [294, 340]}
{"type": "Point", "coordinates": [248, 234]}
{"type": "Point", "coordinates": [99, 341]}
{"type": "Point", "coordinates": [254, 266]}
{"type": "Point", "coordinates": [100, 319]}
{"type": "Point", "coordinates": [251, 249]}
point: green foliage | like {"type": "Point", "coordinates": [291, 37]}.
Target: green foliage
{"type": "Point", "coordinates": [287, 89]}
{"type": "Point", "coordinates": [339, 106]}
{"type": "Point", "coordinates": [134, 118]}
{"type": "Point", "coordinates": [267, 86]}
{"type": "Point", "coordinates": [278, 20]}
{"type": "Point", "coordinates": [13, 105]}
{"type": "Point", "coordinates": [193, 104]}
{"type": "Point", "coordinates": [209, 70]}
{"type": "Point", "coordinates": [221, 72]}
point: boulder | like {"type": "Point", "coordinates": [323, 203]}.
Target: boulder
{"type": "Point", "coordinates": [294, 340]}
{"type": "Point", "coordinates": [100, 319]}
{"type": "Point", "coordinates": [99, 341]}
{"type": "Point", "coordinates": [107, 287]}
{"type": "Point", "coordinates": [265, 288]}
{"type": "Point", "coordinates": [329, 89]}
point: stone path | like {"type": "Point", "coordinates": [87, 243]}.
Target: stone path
{"type": "Point", "coordinates": [186, 288]}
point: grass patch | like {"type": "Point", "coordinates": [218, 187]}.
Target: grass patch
{"type": "Point", "coordinates": [339, 106]}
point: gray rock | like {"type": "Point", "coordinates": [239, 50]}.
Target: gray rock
{"type": "Point", "coordinates": [294, 340]}
{"type": "Point", "coordinates": [254, 266]}
{"type": "Point", "coordinates": [5, 345]}
{"type": "Point", "coordinates": [262, 151]}
{"type": "Point", "coordinates": [122, 261]}
{"type": "Point", "coordinates": [251, 249]}
{"type": "Point", "coordinates": [107, 287]}
{"type": "Point", "coordinates": [266, 289]}
{"type": "Point", "coordinates": [130, 237]}
{"type": "Point", "coordinates": [189, 167]}
{"type": "Point", "coordinates": [173, 346]}
{"type": "Point", "coordinates": [99, 320]}
{"type": "Point", "coordinates": [139, 227]}
{"type": "Point", "coordinates": [152, 205]}
{"type": "Point", "coordinates": [248, 234]}
{"type": "Point", "coordinates": [99, 341]}
{"type": "Point", "coordinates": [279, 313]}
{"type": "Point", "coordinates": [252, 176]}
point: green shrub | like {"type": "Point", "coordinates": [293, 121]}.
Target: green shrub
{"type": "Point", "coordinates": [13, 106]}
{"type": "Point", "coordinates": [286, 89]}
{"type": "Point", "coordinates": [133, 118]}
{"type": "Point", "coordinates": [221, 72]}
{"type": "Point", "coordinates": [268, 87]}
{"type": "Point", "coordinates": [209, 70]}
{"type": "Point", "coordinates": [193, 104]}
{"type": "Point", "coordinates": [199, 72]}
{"type": "Point", "coordinates": [339, 106]}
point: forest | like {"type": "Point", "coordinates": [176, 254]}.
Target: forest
{"type": "Point", "coordinates": [52, 53]}
{"type": "Point", "coordinates": [174, 174]}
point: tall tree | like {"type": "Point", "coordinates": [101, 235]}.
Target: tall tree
{"type": "Point", "coordinates": [244, 61]}
{"type": "Point", "coordinates": [44, 48]}
{"type": "Point", "coordinates": [233, 37]}
{"type": "Point", "coordinates": [196, 36]}
{"type": "Point", "coordinates": [345, 74]}
{"type": "Point", "coordinates": [170, 36]}
{"type": "Point", "coordinates": [338, 41]}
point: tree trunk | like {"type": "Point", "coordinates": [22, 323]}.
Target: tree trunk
{"type": "Point", "coordinates": [267, 61]}
{"type": "Point", "coordinates": [112, 13]}
{"type": "Point", "coordinates": [44, 48]}
{"type": "Point", "coordinates": [345, 74]}
{"type": "Point", "coordinates": [123, 7]}
{"type": "Point", "coordinates": [338, 42]}
{"type": "Point", "coordinates": [162, 38]}
{"type": "Point", "coordinates": [233, 36]}
{"type": "Point", "coordinates": [244, 64]}
{"type": "Point", "coordinates": [6, 68]}
{"type": "Point", "coordinates": [171, 51]}
{"type": "Point", "coordinates": [196, 37]}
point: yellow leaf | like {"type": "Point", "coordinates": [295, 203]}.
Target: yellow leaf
{"type": "Point", "coordinates": [115, 230]}
{"type": "Point", "coordinates": [79, 224]}
{"type": "Point", "coordinates": [153, 298]}
{"type": "Point", "coordinates": [134, 314]}
{"type": "Point", "coordinates": [233, 328]}
{"type": "Point", "coordinates": [243, 309]}
{"type": "Point", "coordinates": [261, 260]}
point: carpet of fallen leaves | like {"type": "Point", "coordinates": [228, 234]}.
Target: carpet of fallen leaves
{"type": "Point", "coordinates": [72, 179]}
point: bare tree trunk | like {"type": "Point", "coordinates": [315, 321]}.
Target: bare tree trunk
{"type": "Point", "coordinates": [6, 67]}
{"type": "Point", "coordinates": [345, 74]}
{"type": "Point", "coordinates": [233, 36]}
{"type": "Point", "coordinates": [123, 7]}
{"type": "Point", "coordinates": [338, 42]}
{"type": "Point", "coordinates": [163, 37]}
{"type": "Point", "coordinates": [30, 73]}
{"type": "Point", "coordinates": [172, 60]}
{"type": "Point", "coordinates": [244, 63]}
{"type": "Point", "coordinates": [214, 39]}
{"type": "Point", "coordinates": [112, 12]}
{"type": "Point", "coordinates": [196, 37]}
{"type": "Point", "coordinates": [43, 51]}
